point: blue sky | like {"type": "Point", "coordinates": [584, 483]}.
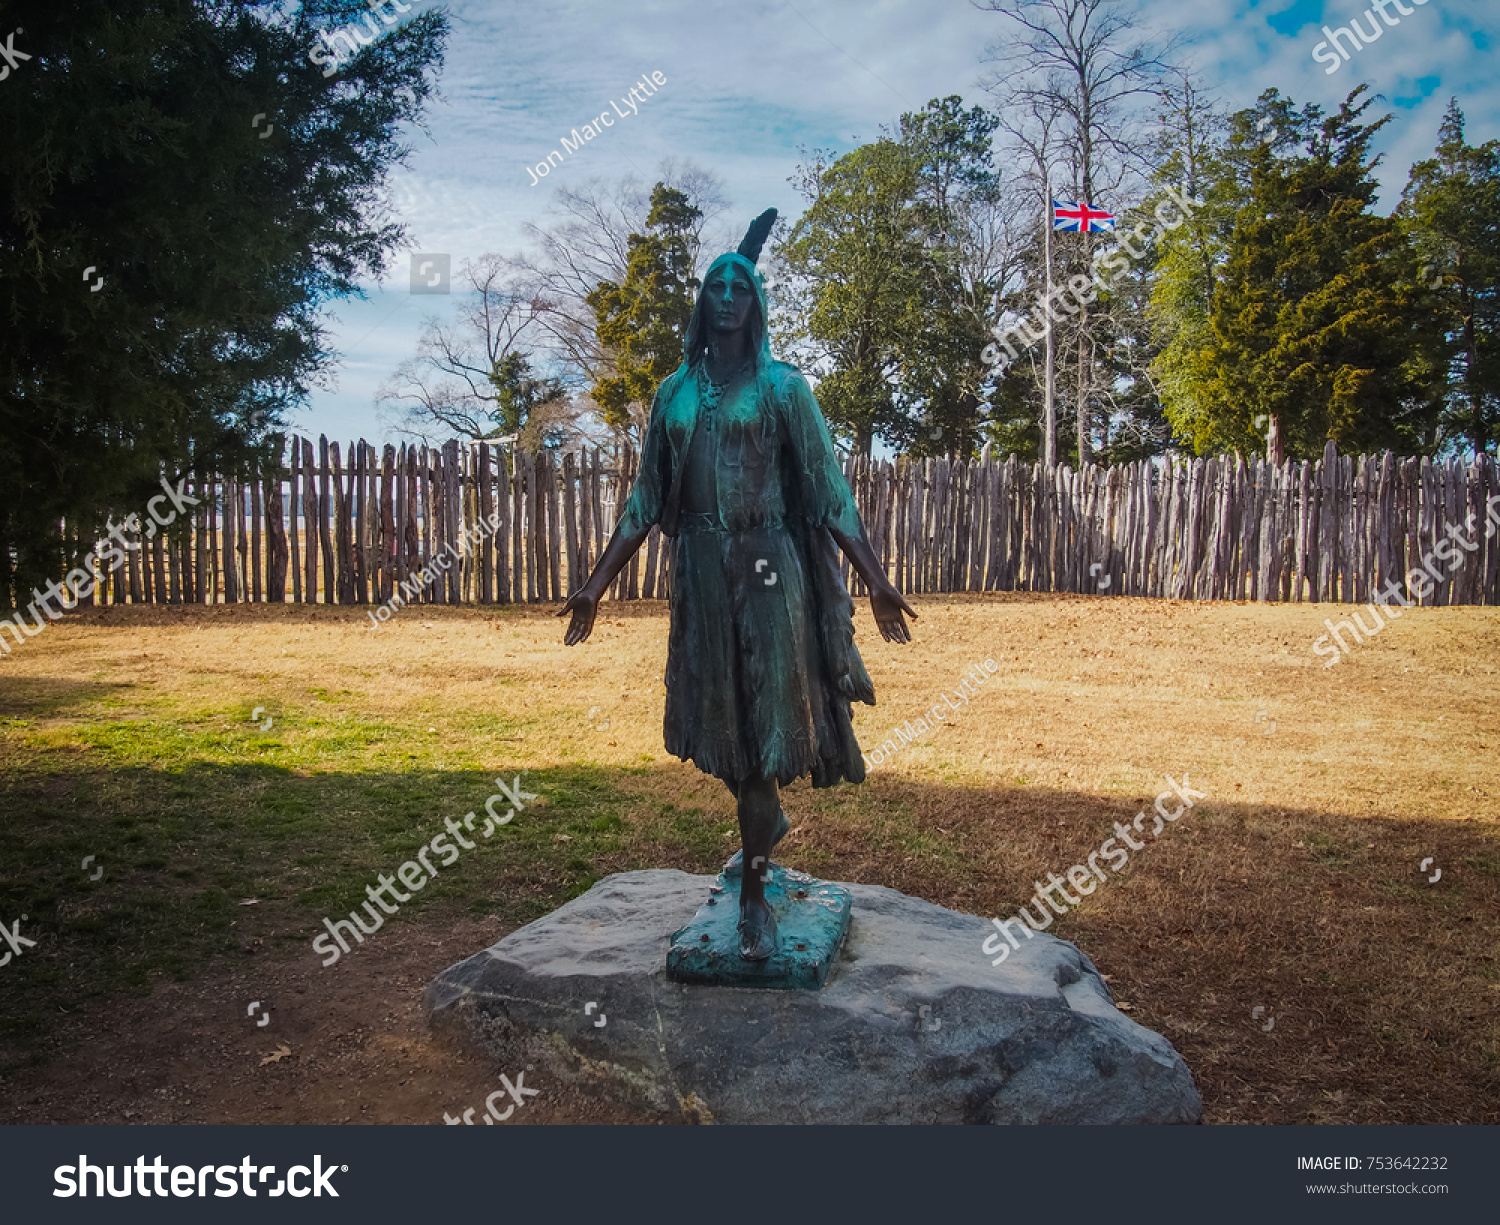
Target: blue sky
{"type": "Point", "coordinates": [750, 82]}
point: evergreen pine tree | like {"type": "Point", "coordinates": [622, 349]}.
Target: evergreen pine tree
{"type": "Point", "coordinates": [1317, 323]}
{"type": "Point", "coordinates": [225, 190]}
{"type": "Point", "coordinates": [642, 320]}
{"type": "Point", "coordinates": [1451, 210]}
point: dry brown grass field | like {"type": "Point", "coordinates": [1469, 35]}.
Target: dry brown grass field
{"type": "Point", "coordinates": [1281, 934]}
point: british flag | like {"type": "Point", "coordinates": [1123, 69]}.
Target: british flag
{"type": "Point", "coordinates": [1080, 218]}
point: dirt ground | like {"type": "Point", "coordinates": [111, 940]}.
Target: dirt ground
{"type": "Point", "coordinates": [357, 1046]}
{"type": "Point", "coordinates": [1292, 895]}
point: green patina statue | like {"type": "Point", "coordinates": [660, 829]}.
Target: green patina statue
{"type": "Point", "coordinates": [738, 467]}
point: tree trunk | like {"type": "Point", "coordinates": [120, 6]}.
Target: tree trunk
{"type": "Point", "coordinates": [1471, 353]}
{"type": "Point", "coordinates": [1275, 446]}
{"type": "Point", "coordinates": [1085, 359]}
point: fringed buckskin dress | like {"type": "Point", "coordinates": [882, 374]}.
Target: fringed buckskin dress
{"type": "Point", "coordinates": [761, 662]}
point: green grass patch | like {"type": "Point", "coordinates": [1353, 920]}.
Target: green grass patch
{"type": "Point", "coordinates": [193, 813]}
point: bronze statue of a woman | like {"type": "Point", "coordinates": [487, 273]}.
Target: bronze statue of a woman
{"type": "Point", "coordinates": [738, 467]}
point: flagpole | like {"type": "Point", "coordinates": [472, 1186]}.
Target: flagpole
{"type": "Point", "coordinates": [1049, 390]}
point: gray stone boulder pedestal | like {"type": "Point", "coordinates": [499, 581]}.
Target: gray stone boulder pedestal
{"type": "Point", "coordinates": [913, 1025]}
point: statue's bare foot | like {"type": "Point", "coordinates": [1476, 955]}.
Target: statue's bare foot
{"type": "Point", "coordinates": [736, 861]}
{"type": "Point", "coordinates": [757, 929]}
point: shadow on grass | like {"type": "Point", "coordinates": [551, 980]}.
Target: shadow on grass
{"type": "Point", "coordinates": [25, 698]}
{"type": "Point", "coordinates": [215, 860]}
{"type": "Point", "coordinates": [131, 616]}
{"type": "Point", "coordinates": [1384, 987]}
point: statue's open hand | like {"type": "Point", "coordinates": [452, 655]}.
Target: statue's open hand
{"type": "Point", "coordinates": [887, 604]}
{"type": "Point", "coordinates": [583, 606]}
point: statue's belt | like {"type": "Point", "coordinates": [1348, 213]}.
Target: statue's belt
{"type": "Point", "coordinates": [702, 522]}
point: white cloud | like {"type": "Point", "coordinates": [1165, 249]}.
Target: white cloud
{"type": "Point", "coordinates": [749, 83]}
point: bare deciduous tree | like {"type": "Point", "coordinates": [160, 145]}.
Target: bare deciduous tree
{"type": "Point", "coordinates": [588, 241]}
{"type": "Point", "coordinates": [454, 383]}
{"type": "Point", "coordinates": [1083, 64]}
{"type": "Point", "coordinates": [535, 307]}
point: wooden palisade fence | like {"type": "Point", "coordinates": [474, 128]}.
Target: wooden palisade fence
{"type": "Point", "coordinates": [357, 528]}
{"type": "Point", "coordinates": [1219, 528]}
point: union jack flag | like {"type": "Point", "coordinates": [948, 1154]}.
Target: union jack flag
{"type": "Point", "coordinates": [1080, 218]}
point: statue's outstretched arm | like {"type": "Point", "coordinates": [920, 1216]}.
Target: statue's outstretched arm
{"type": "Point", "coordinates": [886, 602]}
{"type": "Point", "coordinates": [585, 601]}
{"type": "Point", "coordinates": [827, 499]}
{"type": "Point", "coordinates": [642, 511]}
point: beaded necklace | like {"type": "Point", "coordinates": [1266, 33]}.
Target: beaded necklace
{"type": "Point", "coordinates": [711, 391]}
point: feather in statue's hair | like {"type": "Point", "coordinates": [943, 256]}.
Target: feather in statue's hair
{"type": "Point", "coordinates": [755, 236]}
